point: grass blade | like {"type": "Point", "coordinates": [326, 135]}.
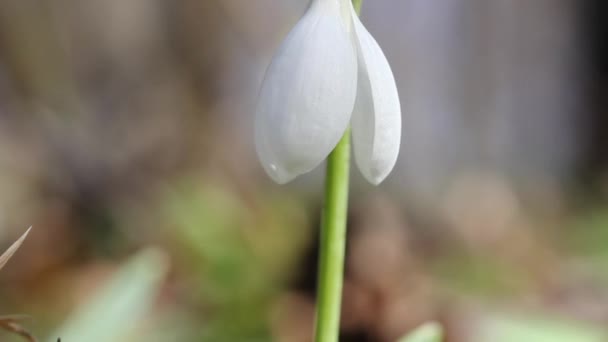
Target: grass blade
{"type": "Point", "coordinates": [121, 304]}
{"type": "Point", "coordinates": [428, 332]}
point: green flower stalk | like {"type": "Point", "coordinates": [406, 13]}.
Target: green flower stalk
{"type": "Point", "coordinates": [328, 75]}
{"type": "Point", "coordinates": [333, 243]}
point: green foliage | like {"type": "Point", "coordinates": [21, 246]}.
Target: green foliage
{"type": "Point", "coordinates": [428, 332]}
{"type": "Point", "coordinates": [114, 312]}
{"type": "Point", "coordinates": [479, 276]}
{"type": "Point", "coordinates": [525, 328]}
{"type": "Point", "coordinates": [240, 256]}
{"type": "Point", "coordinates": [588, 235]}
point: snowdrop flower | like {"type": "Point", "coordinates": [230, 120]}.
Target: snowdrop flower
{"type": "Point", "coordinates": [328, 73]}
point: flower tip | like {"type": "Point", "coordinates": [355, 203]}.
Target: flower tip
{"type": "Point", "coordinates": [376, 177]}
{"type": "Point", "coordinates": [278, 174]}
{"type": "Point", "coordinates": [376, 181]}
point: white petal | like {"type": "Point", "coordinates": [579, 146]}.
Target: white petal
{"type": "Point", "coordinates": [376, 121]}
{"type": "Point", "coordinates": [308, 94]}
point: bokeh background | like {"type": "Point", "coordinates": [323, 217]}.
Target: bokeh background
{"type": "Point", "coordinates": [126, 124]}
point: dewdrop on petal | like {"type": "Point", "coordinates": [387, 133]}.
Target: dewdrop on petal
{"type": "Point", "coordinates": [328, 72]}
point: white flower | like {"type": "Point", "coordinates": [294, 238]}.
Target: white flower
{"type": "Point", "coordinates": [328, 73]}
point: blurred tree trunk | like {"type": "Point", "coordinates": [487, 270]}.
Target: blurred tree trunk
{"type": "Point", "coordinates": [492, 85]}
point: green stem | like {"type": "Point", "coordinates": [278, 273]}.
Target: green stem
{"type": "Point", "coordinates": [333, 243]}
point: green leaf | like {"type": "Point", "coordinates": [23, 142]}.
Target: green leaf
{"type": "Point", "coordinates": [120, 305]}
{"type": "Point", "coordinates": [428, 332]}
{"type": "Point", "coordinates": [528, 328]}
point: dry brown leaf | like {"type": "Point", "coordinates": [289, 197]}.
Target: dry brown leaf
{"type": "Point", "coordinates": [9, 323]}
{"type": "Point", "coordinates": [12, 249]}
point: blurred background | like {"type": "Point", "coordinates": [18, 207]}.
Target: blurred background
{"type": "Point", "coordinates": [126, 124]}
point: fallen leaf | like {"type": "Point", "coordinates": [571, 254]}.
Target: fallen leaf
{"type": "Point", "coordinates": [9, 323]}
{"type": "Point", "coordinates": [12, 249]}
